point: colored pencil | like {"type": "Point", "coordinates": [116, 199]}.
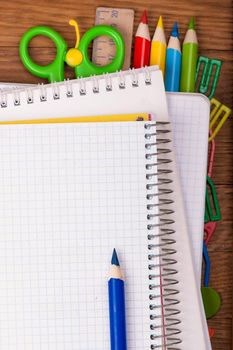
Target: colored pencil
{"type": "Point", "coordinates": [87, 119]}
{"type": "Point", "coordinates": [142, 44]}
{"type": "Point", "coordinates": [173, 61]}
{"type": "Point", "coordinates": [117, 306]}
{"type": "Point", "coordinates": [158, 47]}
{"type": "Point", "coordinates": [189, 59]}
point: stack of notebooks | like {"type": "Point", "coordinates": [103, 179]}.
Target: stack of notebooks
{"type": "Point", "coordinates": [87, 166]}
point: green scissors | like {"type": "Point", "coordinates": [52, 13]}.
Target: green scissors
{"type": "Point", "coordinates": [76, 57]}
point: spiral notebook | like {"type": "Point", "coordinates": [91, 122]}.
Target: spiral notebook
{"type": "Point", "coordinates": [69, 193]}
{"type": "Point", "coordinates": [189, 115]}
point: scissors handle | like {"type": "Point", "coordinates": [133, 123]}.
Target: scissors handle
{"type": "Point", "coordinates": [53, 71]}
{"type": "Point", "coordinates": [87, 68]}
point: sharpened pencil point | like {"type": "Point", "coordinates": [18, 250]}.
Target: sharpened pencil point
{"type": "Point", "coordinates": [175, 30]}
{"type": "Point", "coordinates": [191, 23]}
{"type": "Point", "coordinates": [160, 22]}
{"type": "Point", "coordinates": [144, 18]}
{"type": "Point", "coordinates": [115, 260]}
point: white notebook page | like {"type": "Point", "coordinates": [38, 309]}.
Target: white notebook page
{"type": "Point", "coordinates": [190, 124]}
{"type": "Point", "coordinates": [142, 98]}
{"type": "Point", "coordinates": [189, 115]}
{"type": "Point", "coordinates": [69, 194]}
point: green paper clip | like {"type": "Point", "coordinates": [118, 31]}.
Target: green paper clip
{"type": "Point", "coordinates": [208, 66]}
{"type": "Point", "coordinates": [218, 115]}
{"type": "Point", "coordinates": [212, 209]}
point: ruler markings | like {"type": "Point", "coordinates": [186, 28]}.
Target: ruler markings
{"type": "Point", "coordinates": [122, 20]}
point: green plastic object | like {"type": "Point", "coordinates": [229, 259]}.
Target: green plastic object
{"type": "Point", "coordinates": [86, 67]}
{"type": "Point", "coordinates": [211, 300]}
{"type": "Point", "coordinates": [76, 57]}
{"type": "Point", "coordinates": [53, 71]}
{"type": "Point", "coordinates": [189, 59]}
{"type": "Point", "coordinates": [206, 217]}
{"type": "Point", "coordinates": [206, 73]}
{"type": "Point", "coordinates": [212, 212]}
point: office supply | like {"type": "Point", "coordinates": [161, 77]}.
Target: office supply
{"type": "Point", "coordinates": [103, 47]}
{"type": "Point", "coordinates": [207, 265]}
{"type": "Point", "coordinates": [212, 209]}
{"type": "Point", "coordinates": [190, 121]}
{"type": "Point", "coordinates": [186, 110]}
{"type": "Point", "coordinates": [106, 94]}
{"type": "Point", "coordinates": [87, 119]}
{"type": "Point", "coordinates": [211, 298]}
{"type": "Point", "coordinates": [76, 57]}
{"type": "Point", "coordinates": [116, 292]}
{"type": "Point", "coordinates": [218, 115]}
{"type": "Point", "coordinates": [173, 61]}
{"type": "Point", "coordinates": [54, 233]}
{"type": "Point", "coordinates": [158, 47]}
{"type": "Point", "coordinates": [207, 75]}
{"type": "Point", "coordinates": [69, 138]}
{"type": "Point", "coordinates": [142, 44]}
{"type": "Point", "coordinates": [189, 59]}
{"type": "Point", "coordinates": [209, 229]}
{"type": "Point", "coordinates": [211, 332]}
{"type": "Point", "coordinates": [211, 156]}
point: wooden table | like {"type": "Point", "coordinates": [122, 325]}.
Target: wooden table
{"type": "Point", "coordinates": [214, 28]}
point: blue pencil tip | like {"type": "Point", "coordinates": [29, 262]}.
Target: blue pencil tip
{"type": "Point", "coordinates": [115, 260]}
{"type": "Point", "coordinates": [175, 30]}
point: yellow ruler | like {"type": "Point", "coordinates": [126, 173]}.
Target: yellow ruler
{"type": "Point", "coordinates": [103, 47]}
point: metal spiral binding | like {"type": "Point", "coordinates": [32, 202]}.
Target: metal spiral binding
{"type": "Point", "coordinates": [165, 325]}
{"type": "Point", "coordinates": [162, 265]}
{"type": "Point", "coordinates": [83, 89]}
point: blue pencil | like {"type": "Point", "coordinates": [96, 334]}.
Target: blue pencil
{"type": "Point", "coordinates": [116, 295]}
{"type": "Point", "coordinates": [173, 61]}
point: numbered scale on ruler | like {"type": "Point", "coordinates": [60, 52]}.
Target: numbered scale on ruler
{"type": "Point", "coordinates": [103, 47]}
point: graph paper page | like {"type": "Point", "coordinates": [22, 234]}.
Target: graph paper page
{"type": "Point", "coordinates": [190, 123]}
{"type": "Point", "coordinates": [189, 115]}
{"type": "Point", "coordinates": [69, 194]}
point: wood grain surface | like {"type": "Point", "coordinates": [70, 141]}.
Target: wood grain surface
{"type": "Point", "coordinates": [214, 28]}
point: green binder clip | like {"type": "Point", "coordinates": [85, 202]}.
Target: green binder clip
{"type": "Point", "coordinates": [209, 75]}
{"type": "Point", "coordinates": [212, 209]}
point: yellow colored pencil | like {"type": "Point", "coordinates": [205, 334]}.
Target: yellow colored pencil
{"type": "Point", "coordinates": [158, 47]}
{"type": "Point", "coordinates": [88, 119]}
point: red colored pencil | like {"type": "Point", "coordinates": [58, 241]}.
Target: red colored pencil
{"type": "Point", "coordinates": [142, 44]}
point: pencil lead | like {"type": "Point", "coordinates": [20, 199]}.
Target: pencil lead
{"type": "Point", "coordinates": [175, 30]}
{"type": "Point", "coordinates": [144, 17]}
{"type": "Point", "coordinates": [115, 260]}
{"type": "Point", "coordinates": [160, 22]}
{"type": "Point", "coordinates": [191, 23]}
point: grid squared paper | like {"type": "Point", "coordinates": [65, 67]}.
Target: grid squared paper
{"type": "Point", "coordinates": [69, 194]}
{"type": "Point", "coordinates": [189, 114]}
{"type": "Point", "coordinates": [190, 123]}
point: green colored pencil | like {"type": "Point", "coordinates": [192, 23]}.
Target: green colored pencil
{"type": "Point", "coordinates": [189, 59]}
